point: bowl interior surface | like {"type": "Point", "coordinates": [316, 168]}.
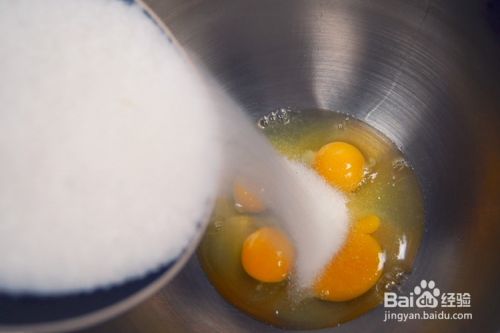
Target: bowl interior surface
{"type": "Point", "coordinates": [422, 72]}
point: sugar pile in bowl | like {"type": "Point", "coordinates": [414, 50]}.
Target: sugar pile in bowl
{"type": "Point", "coordinates": [103, 126]}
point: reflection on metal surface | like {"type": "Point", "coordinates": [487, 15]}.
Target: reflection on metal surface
{"type": "Point", "coordinates": [402, 247]}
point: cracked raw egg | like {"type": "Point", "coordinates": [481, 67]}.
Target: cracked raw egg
{"type": "Point", "coordinates": [356, 268]}
{"type": "Point", "coordinates": [267, 255]}
{"type": "Point", "coordinates": [251, 261]}
{"type": "Point", "coordinates": [341, 164]}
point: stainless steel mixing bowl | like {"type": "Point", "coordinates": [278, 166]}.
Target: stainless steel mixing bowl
{"type": "Point", "coordinates": [425, 73]}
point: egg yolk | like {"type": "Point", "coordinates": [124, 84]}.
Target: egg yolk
{"type": "Point", "coordinates": [245, 200]}
{"type": "Point", "coordinates": [368, 224]}
{"type": "Point", "coordinates": [341, 164]}
{"type": "Point", "coordinates": [356, 268]}
{"type": "Point", "coordinates": [267, 255]}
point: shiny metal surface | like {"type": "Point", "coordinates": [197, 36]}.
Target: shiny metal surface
{"type": "Point", "coordinates": [425, 73]}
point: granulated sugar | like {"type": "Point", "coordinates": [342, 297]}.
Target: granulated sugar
{"type": "Point", "coordinates": [324, 228]}
{"type": "Point", "coordinates": [110, 152]}
{"type": "Point", "coordinates": [314, 213]}
{"type": "Point", "coordinates": [107, 149]}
